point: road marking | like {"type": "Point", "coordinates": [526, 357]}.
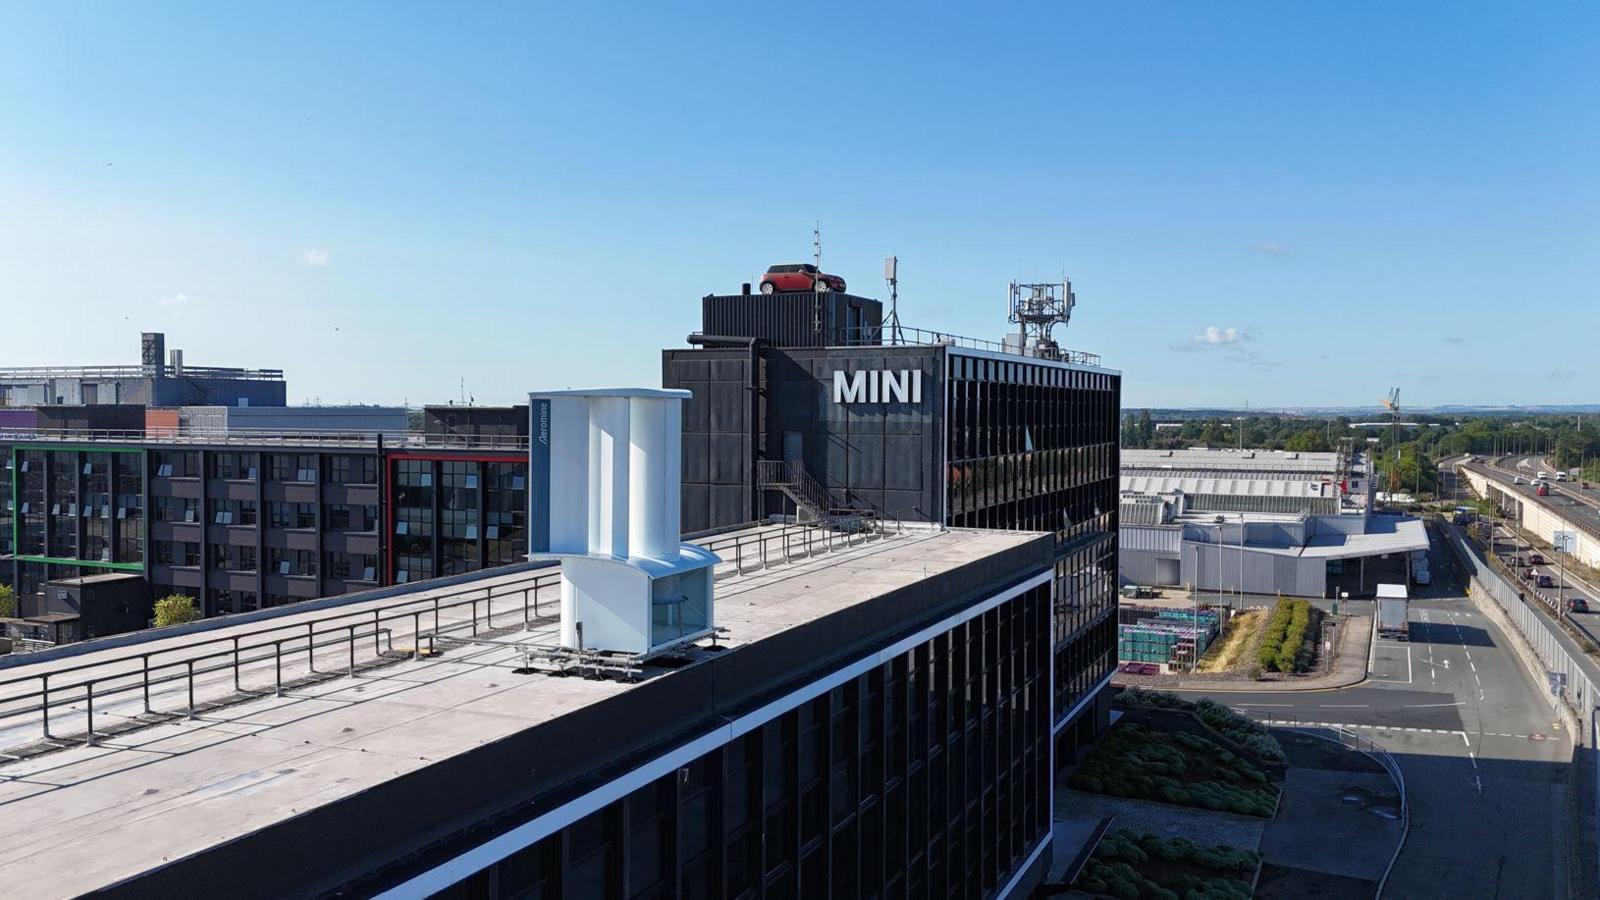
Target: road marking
{"type": "Point", "coordinates": [1464, 740]}
{"type": "Point", "coordinates": [1473, 665]}
{"type": "Point", "coordinates": [1432, 705]}
{"type": "Point", "coordinates": [1343, 705]}
{"type": "Point", "coordinates": [1270, 705]}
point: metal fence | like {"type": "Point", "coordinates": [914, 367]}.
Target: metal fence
{"type": "Point", "coordinates": [751, 552]}
{"type": "Point", "coordinates": [143, 674]}
{"type": "Point", "coordinates": [897, 335]}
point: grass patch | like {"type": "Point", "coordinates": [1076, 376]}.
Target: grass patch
{"type": "Point", "coordinates": [1175, 767]}
{"type": "Point", "coordinates": [1132, 866]}
{"type": "Point", "coordinates": [1230, 653]}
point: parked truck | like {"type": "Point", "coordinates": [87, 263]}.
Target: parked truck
{"type": "Point", "coordinates": [1394, 614]}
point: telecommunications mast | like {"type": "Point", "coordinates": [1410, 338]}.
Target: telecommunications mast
{"type": "Point", "coordinates": [1036, 309]}
{"type": "Point", "coordinates": [891, 274]}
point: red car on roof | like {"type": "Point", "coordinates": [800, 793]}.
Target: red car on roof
{"type": "Point", "coordinates": [799, 277]}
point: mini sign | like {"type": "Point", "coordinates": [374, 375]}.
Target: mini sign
{"type": "Point", "coordinates": [878, 386]}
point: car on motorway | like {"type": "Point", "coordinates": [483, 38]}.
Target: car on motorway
{"type": "Point", "coordinates": [1577, 604]}
{"type": "Point", "coordinates": [1529, 575]}
{"type": "Point", "coordinates": [1517, 479]}
{"type": "Point", "coordinates": [1542, 490]}
{"type": "Point", "coordinates": [1545, 581]}
{"type": "Point", "coordinates": [1541, 475]}
{"type": "Point", "coordinates": [1536, 559]}
{"type": "Point", "coordinates": [799, 277]}
{"type": "Point", "coordinates": [1560, 475]}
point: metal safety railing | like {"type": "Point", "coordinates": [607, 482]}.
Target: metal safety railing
{"type": "Point", "coordinates": [144, 673]}
{"type": "Point", "coordinates": [752, 552]}
{"type": "Point", "coordinates": [895, 335]}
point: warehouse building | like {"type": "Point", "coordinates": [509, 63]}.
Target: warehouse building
{"type": "Point", "coordinates": [1259, 522]}
{"type": "Point", "coordinates": [807, 405]}
{"type": "Point", "coordinates": [158, 380]}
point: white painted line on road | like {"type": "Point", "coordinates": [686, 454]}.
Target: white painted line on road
{"type": "Point", "coordinates": [1474, 666]}
{"type": "Point", "coordinates": [1468, 742]}
{"type": "Point", "coordinates": [1343, 705]}
{"type": "Point", "coordinates": [1408, 663]}
{"type": "Point", "coordinates": [1432, 705]}
{"type": "Point", "coordinates": [1270, 705]}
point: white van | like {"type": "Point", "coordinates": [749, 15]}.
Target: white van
{"type": "Point", "coordinates": [1543, 475]}
{"type": "Point", "coordinates": [1561, 475]}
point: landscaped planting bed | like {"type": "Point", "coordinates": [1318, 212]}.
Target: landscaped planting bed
{"type": "Point", "coordinates": [1175, 767]}
{"type": "Point", "coordinates": [1132, 866]}
{"type": "Point", "coordinates": [1246, 733]}
{"type": "Point", "coordinates": [1284, 647]}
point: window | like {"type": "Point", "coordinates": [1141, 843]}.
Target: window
{"type": "Point", "coordinates": [292, 515]}
{"type": "Point", "coordinates": [176, 553]}
{"type": "Point", "coordinates": [177, 463]}
{"type": "Point", "coordinates": [346, 469]}
{"type": "Point", "coordinates": [233, 558]}
{"type": "Point", "coordinates": [176, 509]}
{"type": "Point", "coordinates": [301, 563]}
{"type": "Point", "coordinates": [346, 517]}
{"type": "Point", "coordinates": [234, 466]}
{"type": "Point", "coordinates": [350, 566]}
{"type": "Point", "coordinates": [300, 467]}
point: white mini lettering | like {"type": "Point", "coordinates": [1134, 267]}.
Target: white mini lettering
{"type": "Point", "coordinates": [849, 388]}
{"type": "Point", "coordinates": [878, 386]}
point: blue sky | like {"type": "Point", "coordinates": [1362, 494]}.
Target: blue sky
{"type": "Point", "coordinates": [1279, 203]}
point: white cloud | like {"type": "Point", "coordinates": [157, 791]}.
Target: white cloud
{"type": "Point", "coordinates": [1271, 248]}
{"type": "Point", "coordinates": [1562, 374]}
{"type": "Point", "coordinates": [316, 256]}
{"type": "Point", "coordinates": [177, 301]}
{"type": "Point", "coordinates": [1217, 335]}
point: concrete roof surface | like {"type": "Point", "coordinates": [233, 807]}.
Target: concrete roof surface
{"type": "Point", "coordinates": [82, 818]}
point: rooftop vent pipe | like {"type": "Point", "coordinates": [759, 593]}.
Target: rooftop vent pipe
{"type": "Point", "coordinates": [605, 473]}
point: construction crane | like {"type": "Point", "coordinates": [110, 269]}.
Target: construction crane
{"type": "Point", "coordinates": [1392, 404]}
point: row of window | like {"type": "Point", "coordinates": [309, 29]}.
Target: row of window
{"type": "Point", "coordinates": [286, 467]}
{"type": "Point", "coordinates": [280, 560]}
{"type": "Point", "coordinates": [359, 518]}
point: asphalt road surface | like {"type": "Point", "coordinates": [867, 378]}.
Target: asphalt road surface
{"type": "Point", "coordinates": [1483, 758]}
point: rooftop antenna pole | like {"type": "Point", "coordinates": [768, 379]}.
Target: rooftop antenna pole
{"type": "Point", "coordinates": [891, 272]}
{"type": "Point", "coordinates": [816, 243]}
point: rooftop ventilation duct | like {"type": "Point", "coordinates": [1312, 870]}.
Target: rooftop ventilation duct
{"type": "Point", "coordinates": [605, 473]}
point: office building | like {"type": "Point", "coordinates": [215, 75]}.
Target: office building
{"type": "Point", "coordinates": [808, 405]}
{"type": "Point", "coordinates": [245, 521]}
{"type": "Point", "coordinates": [861, 714]}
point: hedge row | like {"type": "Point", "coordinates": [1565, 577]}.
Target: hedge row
{"type": "Point", "coordinates": [1283, 646]}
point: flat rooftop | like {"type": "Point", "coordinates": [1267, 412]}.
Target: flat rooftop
{"type": "Point", "coordinates": [1282, 463]}
{"type": "Point", "coordinates": [84, 817]}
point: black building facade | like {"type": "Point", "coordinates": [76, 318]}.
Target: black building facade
{"type": "Point", "coordinates": [938, 431]}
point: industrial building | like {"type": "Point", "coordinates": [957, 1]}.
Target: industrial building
{"type": "Point", "coordinates": [819, 407]}
{"type": "Point", "coordinates": [1259, 522]}
{"type": "Point", "coordinates": [158, 380]}
{"type": "Point", "coordinates": [844, 714]}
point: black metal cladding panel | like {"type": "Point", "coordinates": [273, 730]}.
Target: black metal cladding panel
{"type": "Point", "coordinates": [797, 319]}
{"type": "Point", "coordinates": [885, 456]}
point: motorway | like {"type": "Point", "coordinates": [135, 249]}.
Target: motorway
{"type": "Point", "coordinates": [1573, 502]}
{"type": "Point", "coordinates": [1485, 763]}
